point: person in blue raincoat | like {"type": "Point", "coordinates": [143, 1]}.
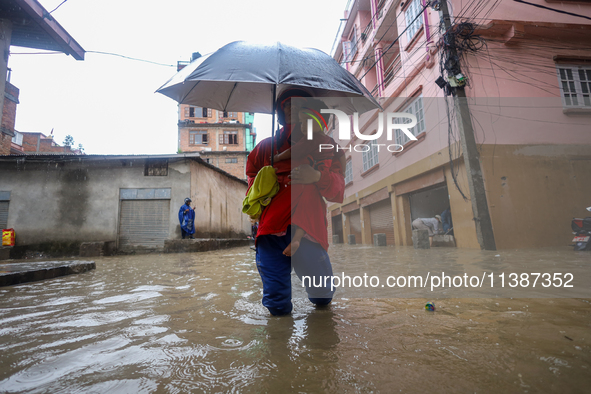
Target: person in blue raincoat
{"type": "Point", "coordinates": [187, 219]}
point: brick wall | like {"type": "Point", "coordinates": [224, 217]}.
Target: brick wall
{"type": "Point", "coordinates": [5, 140]}
{"type": "Point", "coordinates": [46, 144]}
{"type": "Point", "coordinates": [215, 117]}
{"type": "Point", "coordinates": [8, 117]}
{"type": "Point", "coordinates": [9, 110]}
{"type": "Point", "coordinates": [213, 139]}
{"type": "Point", "coordinates": [218, 153]}
{"type": "Point", "coordinates": [218, 159]}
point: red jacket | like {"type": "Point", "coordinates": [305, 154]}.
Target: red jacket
{"type": "Point", "coordinates": [277, 216]}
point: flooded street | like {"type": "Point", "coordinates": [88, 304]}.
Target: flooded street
{"type": "Point", "coordinates": [178, 323]}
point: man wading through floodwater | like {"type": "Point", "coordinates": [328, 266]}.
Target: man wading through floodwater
{"type": "Point", "coordinates": [275, 234]}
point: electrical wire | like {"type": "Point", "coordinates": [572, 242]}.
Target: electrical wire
{"type": "Point", "coordinates": [97, 52]}
{"type": "Point", "coordinates": [58, 6]}
{"type": "Point", "coordinates": [131, 58]}
{"type": "Point", "coordinates": [553, 9]}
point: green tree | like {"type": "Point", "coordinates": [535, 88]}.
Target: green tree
{"type": "Point", "coordinates": [69, 140]}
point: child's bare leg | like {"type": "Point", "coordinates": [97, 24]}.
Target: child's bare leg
{"type": "Point", "coordinates": [295, 242]}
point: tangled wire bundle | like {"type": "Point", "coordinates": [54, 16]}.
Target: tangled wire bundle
{"type": "Point", "coordinates": [457, 42]}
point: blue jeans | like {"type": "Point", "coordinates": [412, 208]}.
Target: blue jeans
{"type": "Point", "coordinates": [275, 270]}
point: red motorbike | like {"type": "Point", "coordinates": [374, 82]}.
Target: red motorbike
{"type": "Point", "coordinates": [582, 231]}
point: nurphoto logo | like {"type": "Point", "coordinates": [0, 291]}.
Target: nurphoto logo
{"type": "Point", "coordinates": [392, 120]}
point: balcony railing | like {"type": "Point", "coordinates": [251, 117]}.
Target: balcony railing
{"type": "Point", "coordinates": [366, 32]}
{"type": "Point", "coordinates": [392, 69]}
{"type": "Point", "coordinates": [375, 91]}
{"type": "Point", "coordinates": [379, 9]}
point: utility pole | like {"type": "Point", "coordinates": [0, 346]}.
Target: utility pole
{"type": "Point", "coordinates": [484, 231]}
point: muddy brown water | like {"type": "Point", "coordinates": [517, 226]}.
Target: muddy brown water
{"type": "Point", "coordinates": [182, 323]}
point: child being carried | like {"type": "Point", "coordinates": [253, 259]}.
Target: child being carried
{"type": "Point", "coordinates": [306, 151]}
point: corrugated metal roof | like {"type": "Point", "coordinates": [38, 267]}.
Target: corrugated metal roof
{"type": "Point", "coordinates": [70, 157]}
{"type": "Point", "coordinates": [40, 157]}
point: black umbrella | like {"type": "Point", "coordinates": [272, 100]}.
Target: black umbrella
{"type": "Point", "coordinates": [244, 77]}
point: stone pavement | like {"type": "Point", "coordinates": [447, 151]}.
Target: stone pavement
{"type": "Point", "coordinates": [15, 273]}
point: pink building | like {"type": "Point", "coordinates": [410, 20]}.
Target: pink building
{"type": "Point", "coordinates": [528, 73]}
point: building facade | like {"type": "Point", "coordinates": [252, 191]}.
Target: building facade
{"type": "Point", "coordinates": [25, 24]}
{"type": "Point", "coordinates": [7, 131]}
{"type": "Point", "coordinates": [527, 72]}
{"type": "Point", "coordinates": [130, 200]}
{"type": "Point", "coordinates": [224, 139]}
{"type": "Point", "coordinates": [31, 143]}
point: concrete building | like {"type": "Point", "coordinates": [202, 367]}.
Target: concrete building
{"type": "Point", "coordinates": [55, 200]}
{"type": "Point", "coordinates": [224, 139]}
{"type": "Point", "coordinates": [528, 98]}
{"type": "Point", "coordinates": [26, 23]}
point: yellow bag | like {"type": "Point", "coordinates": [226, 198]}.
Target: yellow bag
{"type": "Point", "coordinates": [264, 187]}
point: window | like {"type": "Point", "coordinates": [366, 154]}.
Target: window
{"type": "Point", "coordinates": [575, 86]}
{"type": "Point", "coordinates": [198, 137]}
{"type": "Point", "coordinates": [346, 53]}
{"type": "Point", "coordinates": [17, 138]}
{"type": "Point", "coordinates": [348, 172]}
{"type": "Point", "coordinates": [370, 158]}
{"type": "Point", "coordinates": [232, 160]}
{"type": "Point", "coordinates": [343, 62]}
{"type": "Point", "coordinates": [415, 108]}
{"type": "Point", "coordinates": [229, 138]}
{"type": "Point", "coordinates": [413, 11]}
{"type": "Point", "coordinates": [197, 112]}
{"type": "Point", "coordinates": [156, 168]}
{"type": "Point", "coordinates": [353, 43]}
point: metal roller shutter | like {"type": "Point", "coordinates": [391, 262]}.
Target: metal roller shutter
{"type": "Point", "coordinates": [380, 215]}
{"type": "Point", "coordinates": [3, 214]}
{"type": "Point", "coordinates": [143, 223]}
{"type": "Point", "coordinates": [355, 225]}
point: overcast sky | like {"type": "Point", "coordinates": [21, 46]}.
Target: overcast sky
{"type": "Point", "coordinates": [108, 103]}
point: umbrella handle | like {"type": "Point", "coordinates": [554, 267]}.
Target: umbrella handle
{"type": "Point", "coordinates": [273, 124]}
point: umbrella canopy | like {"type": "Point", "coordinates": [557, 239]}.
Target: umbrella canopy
{"type": "Point", "coordinates": [244, 77]}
